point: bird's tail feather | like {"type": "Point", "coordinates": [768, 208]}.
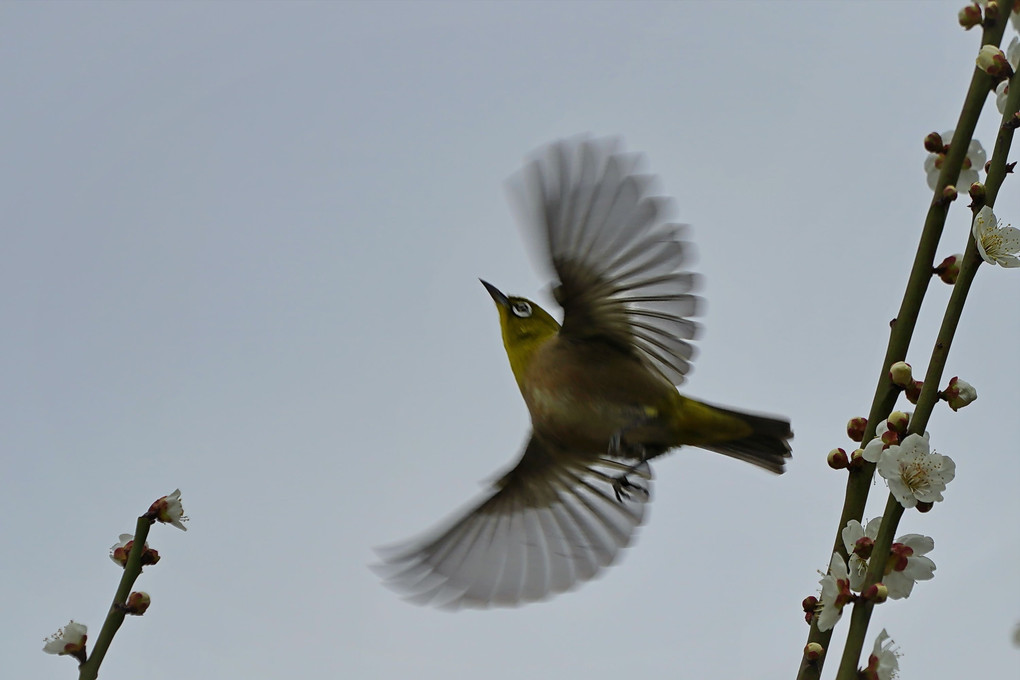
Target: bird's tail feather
{"type": "Point", "coordinates": [768, 445]}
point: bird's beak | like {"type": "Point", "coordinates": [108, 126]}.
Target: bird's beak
{"type": "Point", "coordinates": [501, 300]}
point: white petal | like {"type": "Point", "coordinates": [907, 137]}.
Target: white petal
{"type": "Point", "coordinates": [931, 172]}
{"type": "Point", "coordinates": [921, 545]}
{"type": "Point", "coordinates": [851, 533]}
{"type": "Point", "coordinates": [983, 222]}
{"type": "Point", "coordinates": [858, 570]}
{"type": "Point", "coordinates": [915, 444]}
{"type": "Point", "coordinates": [919, 569]}
{"type": "Point", "coordinates": [873, 451]}
{"type": "Point", "coordinates": [1010, 239]}
{"type": "Point", "coordinates": [1013, 51]}
{"type": "Point", "coordinates": [1001, 93]}
{"type": "Point", "coordinates": [882, 637]}
{"type": "Point", "coordinates": [837, 567]}
{"type": "Point", "coordinates": [902, 493]}
{"type": "Point", "coordinates": [829, 590]}
{"type": "Point", "coordinates": [947, 468]}
{"type": "Point", "coordinates": [828, 618]}
{"type": "Point", "coordinates": [967, 177]}
{"type": "Point", "coordinates": [899, 585]}
{"type": "Point", "coordinates": [889, 463]}
{"type": "Point", "coordinates": [977, 155]}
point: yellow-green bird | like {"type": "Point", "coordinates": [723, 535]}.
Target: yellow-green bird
{"type": "Point", "coordinates": [600, 389]}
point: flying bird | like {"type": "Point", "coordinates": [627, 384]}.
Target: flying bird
{"type": "Point", "coordinates": [600, 388]}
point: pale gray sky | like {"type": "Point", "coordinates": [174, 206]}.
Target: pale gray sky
{"type": "Point", "coordinates": [240, 257]}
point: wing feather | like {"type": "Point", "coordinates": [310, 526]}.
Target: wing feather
{"type": "Point", "coordinates": [552, 522]}
{"type": "Point", "coordinates": [620, 262]}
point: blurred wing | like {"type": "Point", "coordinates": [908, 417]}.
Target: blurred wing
{"type": "Point", "coordinates": [620, 262]}
{"type": "Point", "coordinates": [551, 524]}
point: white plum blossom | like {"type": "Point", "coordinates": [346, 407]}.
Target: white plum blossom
{"type": "Point", "coordinates": [974, 161]}
{"type": "Point", "coordinates": [959, 393]}
{"type": "Point", "coordinates": [997, 244]}
{"type": "Point", "coordinates": [914, 472]}
{"type": "Point", "coordinates": [883, 664]}
{"type": "Point", "coordinates": [169, 510]}
{"type": "Point", "coordinates": [858, 549]}
{"type": "Point", "coordinates": [68, 640]}
{"type": "Point", "coordinates": [907, 561]}
{"type": "Point", "coordinates": [1013, 57]}
{"type": "Point", "coordinates": [119, 551]}
{"type": "Point", "coordinates": [908, 564]}
{"type": "Point", "coordinates": [835, 593]}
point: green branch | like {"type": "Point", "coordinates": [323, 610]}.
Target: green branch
{"type": "Point", "coordinates": [997, 171]}
{"type": "Point", "coordinates": [886, 394]}
{"type": "Point", "coordinates": [132, 569]}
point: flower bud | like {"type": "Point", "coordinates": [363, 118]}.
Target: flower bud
{"type": "Point", "coordinates": [970, 16]}
{"type": "Point", "coordinates": [933, 143]}
{"type": "Point", "coordinates": [959, 393]}
{"type": "Point", "coordinates": [855, 428]}
{"type": "Point", "coordinates": [876, 592]}
{"type": "Point", "coordinates": [924, 506]}
{"type": "Point", "coordinates": [838, 459]}
{"type": "Point", "coordinates": [949, 193]}
{"type": "Point", "coordinates": [120, 552]}
{"type": "Point", "coordinates": [810, 605]}
{"type": "Point", "coordinates": [992, 61]}
{"type": "Point", "coordinates": [813, 651]}
{"type": "Point", "coordinates": [913, 391]}
{"type": "Point", "coordinates": [977, 192]}
{"type": "Point", "coordinates": [890, 437]}
{"type": "Point", "coordinates": [899, 374]}
{"type": "Point", "coordinates": [949, 270]}
{"type": "Point", "coordinates": [856, 459]}
{"type": "Point", "coordinates": [898, 421]}
{"type": "Point", "coordinates": [137, 603]}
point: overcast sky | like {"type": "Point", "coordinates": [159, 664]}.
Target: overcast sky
{"type": "Point", "coordinates": [240, 255]}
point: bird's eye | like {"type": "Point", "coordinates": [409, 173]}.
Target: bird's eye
{"type": "Point", "coordinates": [521, 309]}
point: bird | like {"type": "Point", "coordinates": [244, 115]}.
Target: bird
{"type": "Point", "coordinates": [600, 387]}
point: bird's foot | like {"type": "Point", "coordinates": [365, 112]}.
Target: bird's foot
{"type": "Point", "coordinates": [624, 488]}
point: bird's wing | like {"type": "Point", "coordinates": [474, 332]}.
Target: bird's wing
{"type": "Point", "coordinates": [621, 264]}
{"type": "Point", "coordinates": [551, 524]}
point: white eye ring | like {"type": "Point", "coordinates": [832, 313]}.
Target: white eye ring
{"type": "Point", "coordinates": [521, 309]}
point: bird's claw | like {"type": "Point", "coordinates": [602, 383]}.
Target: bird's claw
{"type": "Point", "coordinates": [623, 488]}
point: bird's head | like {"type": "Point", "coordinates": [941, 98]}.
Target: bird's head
{"type": "Point", "coordinates": [525, 325]}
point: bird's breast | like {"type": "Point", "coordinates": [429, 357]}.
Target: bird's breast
{"type": "Point", "coordinates": [580, 396]}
